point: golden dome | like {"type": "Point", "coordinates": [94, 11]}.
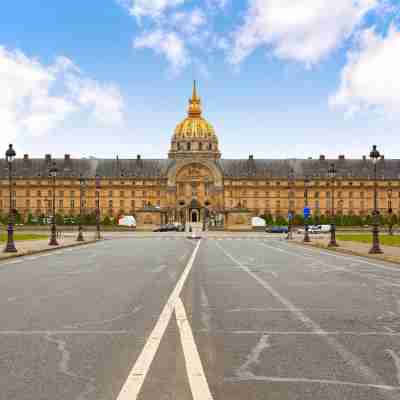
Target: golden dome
{"type": "Point", "coordinates": [194, 126]}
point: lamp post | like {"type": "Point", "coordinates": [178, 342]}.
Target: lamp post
{"type": "Point", "coordinates": [205, 215]}
{"type": "Point", "coordinates": [332, 175]}
{"type": "Point", "coordinates": [375, 249]}
{"type": "Point", "coordinates": [98, 235]}
{"type": "Point", "coordinates": [53, 238]}
{"type": "Point", "coordinates": [290, 213]}
{"type": "Point", "coordinates": [80, 229]}
{"type": "Point", "coordinates": [306, 234]}
{"type": "Point", "coordinates": [390, 212]}
{"type": "Point", "coordinates": [10, 247]}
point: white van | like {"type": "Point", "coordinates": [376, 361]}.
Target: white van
{"type": "Point", "coordinates": [127, 220]}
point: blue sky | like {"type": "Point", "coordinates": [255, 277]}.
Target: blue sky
{"type": "Point", "coordinates": [278, 78]}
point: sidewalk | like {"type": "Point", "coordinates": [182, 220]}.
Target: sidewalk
{"type": "Point", "coordinates": [38, 246]}
{"type": "Point", "coordinates": [390, 253]}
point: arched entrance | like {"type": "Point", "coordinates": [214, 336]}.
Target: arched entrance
{"type": "Point", "coordinates": [195, 216]}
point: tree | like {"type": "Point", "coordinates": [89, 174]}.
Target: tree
{"type": "Point", "coordinates": [298, 220]}
{"type": "Point", "coordinates": [31, 219]}
{"type": "Point", "coordinates": [279, 220]}
{"type": "Point", "coordinates": [106, 220]}
{"type": "Point", "coordinates": [59, 219]}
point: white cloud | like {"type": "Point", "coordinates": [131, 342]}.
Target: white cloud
{"type": "Point", "coordinates": [167, 43]}
{"type": "Point", "coordinates": [371, 78]}
{"type": "Point", "coordinates": [150, 8]}
{"type": "Point", "coordinates": [300, 30]}
{"type": "Point", "coordinates": [35, 99]}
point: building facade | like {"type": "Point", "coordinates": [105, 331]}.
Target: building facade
{"type": "Point", "coordinates": [194, 184]}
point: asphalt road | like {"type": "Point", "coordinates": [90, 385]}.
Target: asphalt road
{"type": "Point", "coordinates": [224, 318]}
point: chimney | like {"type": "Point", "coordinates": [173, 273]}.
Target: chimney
{"type": "Point", "coordinates": [322, 157]}
{"type": "Point", "coordinates": [341, 157]}
{"type": "Point", "coordinates": [382, 157]}
{"type": "Point", "coordinates": [138, 157]}
{"type": "Point", "coordinates": [47, 158]}
{"type": "Point", "coordinates": [67, 157]}
{"type": "Point", "coordinates": [26, 157]}
{"type": "Point", "coordinates": [364, 158]}
{"type": "Point", "coordinates": [251, 157]}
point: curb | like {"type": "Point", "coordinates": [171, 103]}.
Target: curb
{"type": "Point", "coordinates": [349, 252]}
{"type": "Point", "coordinates": [31, 252]}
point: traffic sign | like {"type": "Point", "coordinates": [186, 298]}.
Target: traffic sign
{"type": "Point", "coordinates": [306, 212]}
{"type": "Point", "coordinates": [290, 216]}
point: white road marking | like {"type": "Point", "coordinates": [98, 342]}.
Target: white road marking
{"type": "Point", "coordinates": [31, 258]}
{"type": "Point", "coordinates": [366, 274]}
{"type": "Point", "coordinates": [396, 360]}
{"type": "Point", "coordinates": [350, 258]}
{"type": "Point", "coordinates": [160, 269]}
{"type": "Point", "coordinates": [105, 321]}
{"type": "Point", "coordinates": [253, 358]}
{"type": "Point", "coordinates": [133, 384]}
{"type": "Point", "coordinates": [194, 368]}
{"type": "Point", "coordinates": [16, 261]}
{"type": "Point", "coordinates": [277, 379]}
{"type": "Point", "coordinates": [346, 355]}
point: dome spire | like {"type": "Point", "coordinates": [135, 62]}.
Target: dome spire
{"type": "Point", "coordinates": [194, 103]}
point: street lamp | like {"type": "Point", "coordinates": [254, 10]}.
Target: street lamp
{"type": "Point", "coordinates": [205, 215]}
{"type": "Point", "coordinates": [390, 212]}
{"type": "Point", "coordinates": [332, 175]}
{"type": "Point", "coordinates": [306, 234]}
{"type": "Point", "coordinates": [98, 235]}
{"type": "Point", "coordinates": [10, 247]}
{"type": "Point", "coordinates": [290, 213]}
{"type": "Point", "coordinates": [375, 249]}
{"type": "Point", "coordinates": [81, 186]}
{"type": "Point", "coordinates": [53, 238]}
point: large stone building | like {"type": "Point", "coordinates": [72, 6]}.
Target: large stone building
{"type": "Point", "coordinates": [194, 183]}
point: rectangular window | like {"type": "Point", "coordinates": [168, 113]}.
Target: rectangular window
{"type": "Point", "coordinates": [72, 204]}
{"type": "Point", "coordinates": [39, 203]}
{"type": "Point", "coordinates": [133, 204]}
{"type": "Point", "coordinates": [72, 193]}
{"type": "Point", "coordinates": [39, 193]}
{"type": "Point", "coordinates": [28, 193]}
{"type": "Point", "coordinates": [361, 195]}
{"type": "Point", "coordinates": [110, 193]}
{"type": "Point", "coordinates": [350, 195]}
{"type": "Point", "coordinates": [27, 203]}
{"type": "Point", "coordinates": [328, 195]}
{"type": "Point", "coordinates": [61, 203]}
{"type": "Point", "coordinates": [110, 204]}
{"type": "Point", "coordinates": [122, 203]}
{"type": "Point", "coordinates": [316, 195]}
{"type": "Point", "coordinates": [121, 193]}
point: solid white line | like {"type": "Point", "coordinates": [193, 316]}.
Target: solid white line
{"type": "Point", "coordinates": [131, 388]}
{"type": "Point", "coordinates": [277, 379]}
{"type": "Point", "coordinates": [197, 379]}
{"type": "Point", "coordinates": [362, 369]}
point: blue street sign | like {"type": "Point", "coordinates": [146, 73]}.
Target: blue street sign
{"type": "Point", "coordinates": [290, 216]}
{"type": "Point", "coordinates": [306, 212]}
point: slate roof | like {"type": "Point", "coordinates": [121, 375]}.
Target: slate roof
{"type": "Point", "coordinates": [231, 168]}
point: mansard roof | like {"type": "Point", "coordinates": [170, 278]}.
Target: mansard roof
{"type": "Point", "coordinates": [230, 168]}
{"type": "Point", "coordinates": [312, 168]}
{"type": "Point", "coordinates": [68, 167]}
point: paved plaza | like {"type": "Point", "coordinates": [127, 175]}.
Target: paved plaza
{"type": "Point", "coordinates": [226, 317]}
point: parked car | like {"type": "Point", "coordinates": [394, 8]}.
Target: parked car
{"type": "Point", "coordinates": [277, 229]}
{"type": "Point", "coordinates": [169, 228]}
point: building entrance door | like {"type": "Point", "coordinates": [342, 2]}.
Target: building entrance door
{"type": "Point", "coordinates": [195, 216]}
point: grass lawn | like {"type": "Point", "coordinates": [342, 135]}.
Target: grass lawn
{"type": "Point", "coordinates": [23, 236]}
{"type": "Point", "coordinates": [367, 238]}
